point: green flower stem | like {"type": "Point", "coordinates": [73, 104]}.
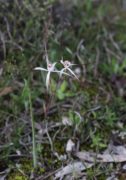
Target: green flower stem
{"type": "Point", "coordinates": [34, 152]}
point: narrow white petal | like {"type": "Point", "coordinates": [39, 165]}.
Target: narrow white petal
{"type": "Point", "coordinates": [61, 61]}
{"type": "Point", "coordinates": [62, 71]}
{"type": "Point", "coordinates": [40, 68]}
{"type": "Point", "coordinates": [56, 71]}
{"type": "Point", "coordinates": [54, 64]}
{"type": "Point", "coordinates": [47, 80]}
{"type": "Point", "coordinates": [66, 74]}
{"type": "Point", "coordinates": [73, 64]}
{"type": "Point", "coordinates": [72, 73]}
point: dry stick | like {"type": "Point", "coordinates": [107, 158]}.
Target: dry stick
{"type": "Point", "coordinates": [15, 156]}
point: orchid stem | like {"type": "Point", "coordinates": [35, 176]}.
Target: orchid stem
{"type": "Point", "coordinates": [34, 152]}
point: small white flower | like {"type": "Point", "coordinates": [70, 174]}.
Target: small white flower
{"type": "Point", "coordinates": [67, 65]}
{"type": "Point", "coordinates": [50, 69]}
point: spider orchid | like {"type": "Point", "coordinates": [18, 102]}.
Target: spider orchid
{"type": "Point", "coordinates": [67, 65]}
{"type": "Point", "coordinates": [50, 69]}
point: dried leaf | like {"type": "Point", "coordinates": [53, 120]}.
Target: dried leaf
{"type": "Point", "coordinates": [119, 150]}
{"type": "Point", "coordinates": [4, 174]}
{"type": "Point", "coordinates": [115, 150]}
{"type": "Point", "coordinates": [112, 177]}
{"type": "Point", "coordinates": [91, 157]}
{"type": "Point", "coordinates": [70, 146]}
{"type": "Point", "coordinates": [6, 91]}
{"type": "Point", "coordinates": [66, 121]}
{"type": "Point", "coordinates": [60, 157]}
{"type": "Point", "coordinates": [72, 168]}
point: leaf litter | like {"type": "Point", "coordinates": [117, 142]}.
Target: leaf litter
{"type": "Point", "coordinates": [89, 159]}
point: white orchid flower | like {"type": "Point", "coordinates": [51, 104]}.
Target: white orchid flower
{"type": "Point", "coordinates": [50, 69]}
{"type": "Point", "coordinates": [67, 65]}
